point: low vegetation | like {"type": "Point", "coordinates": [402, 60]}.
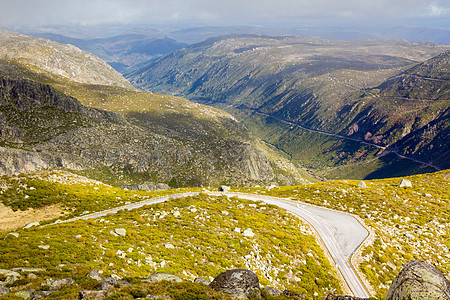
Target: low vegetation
{"type": "Point", "coordinates": [408, 222]}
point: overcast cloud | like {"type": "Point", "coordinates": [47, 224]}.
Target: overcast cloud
{"type": "Point", "coordinates": [233, 12]}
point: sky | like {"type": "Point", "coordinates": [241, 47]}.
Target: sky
{"type": "Point", "coordinates": [22, 13]}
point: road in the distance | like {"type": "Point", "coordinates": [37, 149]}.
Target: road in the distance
{"type": "Point", "coordinates": [341, 233]}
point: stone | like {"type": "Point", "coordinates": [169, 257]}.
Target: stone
{"type": "Point", "coordinates": [31, 225]}
{"type": "Point", "coordinates": [120, 231]}
{"type": "Point", "coordinates": [237, 229]}
{"type": "Point", "coordinates": [4, 291]}
{"type": "Point", "coordinates": [419, 280]}
{"type": "Point", "coordinates": [176, 214]}
{"type": "Point", "coordinates": [14, 234]}
{"type": "Point", "coordinates": [95, 274]}
{"type": "Point", "coordinates": [27, 270]}
{"type": "Point", "coordinates": [239, 283]}
{"type": "Point", "coordinates": [42, 294]}
{"type": "Point", "coordinates": [224, 188]}
{"type": "Point", "coordinates": [169, 246]}
{"type": "Point", "coordinates": [362, 184]}
{"type": "Point", "coordinates": [201, 280]}
{"type": "Point", "coordinates": [9, 273]}
{"type": "Point", "coordinates": [104, 286]}
{"type": "Point", "coordinates": [291, 294]}
{"type": "Point", "coordinates": [248, 233]}
{"type": "Point", "coordinates": [405, 183]}
{"type": "Point", "coordinates": [85, 294]}
{"type": "Point", "coordinates": [340, 297]}
{"type": "Point", "coordinates": [27, 294]}
{"type": "Point", "coordinates": [274, 292]}
{"type": "Point", "coordinates": [31, 276]}
{"type": "Point", "coordinates": [56, 284]}
{"type": "Point", "coordinates": [157, 277]}
{"type": "Point", "coordinates": [45, 247]}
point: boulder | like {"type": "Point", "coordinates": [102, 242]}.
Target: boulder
{"type": "Point", "coordinates": [27, 294]}
{"type": "Point", "coordinates": [10, 273]}
{"type": "Point", "coordinates": [201, 280]}
{"type": "Point", "coordinates": [120, 231]}
{"type": "Point", "coordinates": [239, 283]}
{"type": "Point", "coordinates": [56, 284]}
{"type": "Point", "coordinates": [248, 232]}
{"type": "Point", "coordinates": [224, 188]}
{"type": "Point", "coordinates": [156, 277]}
{"type": "Point", "coordinates": [95, 274]}
{"type": "Point", "coordinates": [362, 184]}
{"type": "Point", "coordinates": [31, 225]}
{"type": "Point", "coordinates": [419, 280]}
{"type": "Point", "coordinates": [274, 292]}
{"type": "Point", "coordinates": [42, 294]}
{"type": "Point", "coordinates": [405, 183]}
{"type": "Point", "coordinates": [85, 294]}
{"type": "Point", "coordinates": [104, 286]}
{"type": "Point", "coordinates": [4, 291]}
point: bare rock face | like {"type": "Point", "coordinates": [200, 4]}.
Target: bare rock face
{"type": "Point", "coordinates": [239, 283]}
{"type": "Point", "coordinates": [419, 280]}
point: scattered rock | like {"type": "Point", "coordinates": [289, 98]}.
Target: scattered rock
{"type": "Point", "coordinates": [239, 283]}
{"type": "Point", "coordinates": [27, 294]}
{"type": "Point", "coordinates": [14, 234]}
{"type": "Point", "coordinates": [31, 225]}
{"type": "Point", "coordinates": [428, 195]}
{"type": "Point", "coordinates": [31, 276]}
{"type": "Point", "coordinates": [4, 291]}
{"type": "Point", "coordinates": [95, 274]}
{"type": "Point", "coordinates": [57, 283]}
{"type": "Point", "coordinates": [120, 231]}
{"type": "Point", "coordinates": [104, 286]}
{"type": "Point", "coordinates": [42, 294]}
{"type": "Point", "coordinates": [9, 273]}
{"type": "Point", "coordinates": [45, 247]}
{"type": "Point", "coordinates": [419, 280]}
{"type": "Point", "coordinates": [248, 232]}
{"type": "Point", "coordinates": [224, 188]}
{"type": "Point", "coordinates": [26, 270]}
{"type": "Point", "coordinates": [201, 280]}
{"type": "Point", "coordinates": [340, 297]}
{"type": "Point", "coordinates": [156, 277]}
{"type": "Point", "coordinates": [176, 214]}
{"type": "Point", "coordinates": [91, 294]}
{"type": "Point", "coordinates": [169, 246]}
{"type": "Point", "coordinates": [405, 183]}
{"type": "Point", "coordinates": [293, 294]}
{"type": "Point", "coordinates": [362, 184]}
{"type": "Point", "coordinates": [237, 229]}
{"type": "Point", "coordinates": [274, 292]}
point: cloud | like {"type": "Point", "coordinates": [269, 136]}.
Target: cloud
{"type": "Point", "coordinates": [93, 12]}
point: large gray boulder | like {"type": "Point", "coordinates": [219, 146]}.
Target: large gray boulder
{"type": "Point", "coordinates": [239, 283]}
{"type": "Point", "coordinates": [419, 280]}
{"type": "Point", "coordinates": [56, 284]}
{"type": "Point", "coordinates": [157, 277]}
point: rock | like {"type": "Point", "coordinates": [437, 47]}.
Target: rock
{"type": "Point", "coordinates": [224, 188]}
{"type": "Point", "coordinates": [9, 273]}
{"type": "Point", "coordinates": [201, 280]}
{"type": "Point", "coordinates": [31, 225]}
{"type": "Point", "coordinates": [27, 294]}
{"type": "Point", "coordinates": [239, 283]}
{"type": "Point", "coordinates": [169, 246]}
{"type": "Point", "coordinates": [42, 294]}
{"type": "Point", "coordinates": [31, 276]}
{"type": "Point", "coordinates": [362, 184]}
{"type": "Point", "coordinates": [237, 229]}
{"type": "Point", "coordinates": [104, 286]}
{"type": "Point", "coordinates": [45, 247]}
{"type": "Point", "coordinates": [274, 292]}
{"type": "Point", "coordinates": [95, 274]}
{"type": "Point", "coordinates": [27, 270]}
{"type": "Point", "coordinates": [4, 291]}
{"type": "Point", "coordinates": [340, 297]}
{"type": "Point", "coordinates": [57, 283]}
{"type": "Point", "coordinates": [293, 294]}
{"type": "Point", "coordinates": [91, 294]}
{"type": "Point", "coordinates": [176, 214]}
{"type": "Point", "coordinates": [419, 280]}
{"type": "Point", "coordinates": [405, 183]}
{"type": "Point", "coordinates": [248, 232]}
{"type": "Point", "coordinates": [157, 277]}
{"type": "Point", "coordinates": [120, 231]}
{"type": "Point", "coordinates": [14, 234]}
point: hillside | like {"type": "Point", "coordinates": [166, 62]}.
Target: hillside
{"type": "Point", "coordinates": [322, 88]}
{"type": "Point", "coordinates": [131, 137]}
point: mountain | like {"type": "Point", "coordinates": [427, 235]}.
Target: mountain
{"type": "Point", "coordinates": [129, 137]}
{"type": "Point", "coordinates": [309, 97]}
{"type": "Point", "coordinates": [121, 51]}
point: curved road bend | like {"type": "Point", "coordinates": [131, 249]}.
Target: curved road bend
{"type": "Point", "coordinates": [341, 233]}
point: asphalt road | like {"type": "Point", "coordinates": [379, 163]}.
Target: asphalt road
{"type": "Point", "coordinates": [341, 233]}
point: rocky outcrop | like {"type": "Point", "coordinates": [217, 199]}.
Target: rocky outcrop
{"type": "Point", "coordinates": [419, 280]}
{"type": "Point", "coordinates": [239, 283]}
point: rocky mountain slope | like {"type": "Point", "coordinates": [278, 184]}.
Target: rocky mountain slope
{"type": "Point", "coordinates": [147, 137]}
{"type": "Point", "coordinates": [326, 87]}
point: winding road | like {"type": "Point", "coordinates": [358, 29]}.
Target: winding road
{"type": "Point", "coordinates": [341, 233]}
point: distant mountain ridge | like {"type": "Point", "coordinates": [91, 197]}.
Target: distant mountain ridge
{"type": "Point", "coordinates": [331, 86]}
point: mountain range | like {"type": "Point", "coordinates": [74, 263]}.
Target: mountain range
{"type": "Point", "coordinates": [62, 107]}
{"type": "Point", "coordinates": [358, 109]}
